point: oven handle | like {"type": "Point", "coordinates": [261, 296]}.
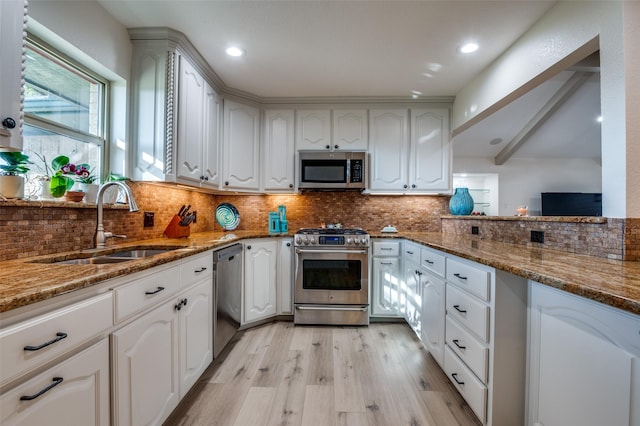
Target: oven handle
{"type": "Point", "coordinates": [302, 251]}
{"type": "Point", "coordinates": [331, 308]}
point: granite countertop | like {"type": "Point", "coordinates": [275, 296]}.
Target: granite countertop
{"type": "Point", "coordinates": [615, 283]}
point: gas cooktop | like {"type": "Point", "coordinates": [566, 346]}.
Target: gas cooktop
{"type": "Point", "coordinates": [332, 231]}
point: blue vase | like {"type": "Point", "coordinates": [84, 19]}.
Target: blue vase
{"type": "Point", "coordinates": [461, 203]}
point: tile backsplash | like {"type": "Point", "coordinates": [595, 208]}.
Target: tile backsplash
{"type": "Point", "coordinates": [29, 229]}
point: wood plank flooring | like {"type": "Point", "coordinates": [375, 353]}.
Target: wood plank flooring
{"type": "Point", "coordinates": [284, 375]}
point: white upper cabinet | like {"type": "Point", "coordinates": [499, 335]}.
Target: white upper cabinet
{"type": "Point", "coordinates": [241, 148]}
{"type": "Point", "coordinates": [430, 157]}
{"type": "Point", "coordinates": [313, 129]}
{"type": "Point", "coordinates": [278, 151]}
{"type": "Point", "coordinates": [409, 159]}
{"type": "Point", "coordinates": [389, 147]}
{"type": "Point", "coordinates": [13, 15]}
{"type": "Point", "coordinates": [349, 130]}
{"type": "Point", "coordinates": [198, 110]}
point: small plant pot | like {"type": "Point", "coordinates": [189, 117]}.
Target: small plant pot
{"type": "Point", "coordinates": [75, 196]}
{"type": "Point", "coordinates": [90, 190]}
{"type": "Point", "coordinates": [11, 186]}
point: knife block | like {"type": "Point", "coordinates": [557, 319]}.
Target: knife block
{"type": "Point", "coordinates": [174, 230]}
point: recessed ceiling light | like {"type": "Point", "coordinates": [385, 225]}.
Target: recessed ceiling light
{"type": "Point", "coordinates": [495, 141]}
{"type": "Point", "coordinates": [235, 51]}
{"type": "Point", "coordinates": [469, 47]}
{"type": "Point", "coordinates": [599, 119]}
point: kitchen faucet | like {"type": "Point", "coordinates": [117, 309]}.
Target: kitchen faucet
{"type": "Point", "coordinates": [101, 235]}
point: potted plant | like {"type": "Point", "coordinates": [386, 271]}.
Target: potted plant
{"type": "Point", "coordinates": [86, 183]}
{"type": "Point", "coordinates": [12, 173]}
{"type": "Point", "coordinates": [60, 182]}
{"type": "Point", "coordinates": [43, 177]}
{"type": "Point", "coordinates": [112, 193]}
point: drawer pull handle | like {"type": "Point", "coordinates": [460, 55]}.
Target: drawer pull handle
{"type": "Point", "coordinates": [59, 336]}
{"type": "Point", "coordinates": [386, 248]}
{"type": "Point", "coordinates": [151, 293]}
{"type": "Point", "coordinates": [457, 308]}
{"type": "Point", "coordinates": [56, 382]}
{"type": "Point", "coordinates": [197, 271]}
{"type": "Point", "coordinates": [455, 377]}
{"type": "Point", "coordinates": [386, 263]}
{"type": "Point", "coordinates": [455, 342]}
{"type": "Point", "coordinates": [409, 252]}
{"type": "Point", "coordinates": [430, 262]}
{"type": "Point", "coordinates": [457, 275]}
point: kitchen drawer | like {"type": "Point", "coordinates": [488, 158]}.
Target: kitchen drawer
{"type": "Point", "coordinates": [472, 390]}
{"type": "Point", "coordinates": [473, 279]}
{"type": "Point", "coordinates": [196, 268]}
{"type": "Point", "coordinates": [470, 312]}
{"type": "Point", "coordinates": [411, 253]}
{"type": "Point", "coordinates": [386, 248]}
{"type": "Point", "coordinates": [78, 393]}
{"type": "Point", "coordinates": [54, 333]}
{"type": "Point", "coordinates": [432, 261]}
{"type": "Point", "coordinates": [468, 348]}
{"type": "Point", "coordinates": [144, 292]}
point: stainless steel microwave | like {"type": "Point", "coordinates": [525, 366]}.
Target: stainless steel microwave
{"type": "Point", "coordinates": [320, 170]}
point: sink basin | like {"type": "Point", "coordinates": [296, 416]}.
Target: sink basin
{"type": "Point", "coordinates": [101, 258]}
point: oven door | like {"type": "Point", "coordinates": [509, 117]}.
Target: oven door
{"type": "Point", "coordinates": [332, 276]}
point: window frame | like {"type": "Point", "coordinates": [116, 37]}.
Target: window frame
{"type": "Point", "coordinates": [104, 118]}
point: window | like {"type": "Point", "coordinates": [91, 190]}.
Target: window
{"type": "Point", "coordinates": [64, 108]}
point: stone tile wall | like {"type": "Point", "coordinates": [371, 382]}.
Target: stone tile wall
{"type": "Point", "coordinates": [632, 239]}
{"type": "Point", "coordinates": [594, 239]}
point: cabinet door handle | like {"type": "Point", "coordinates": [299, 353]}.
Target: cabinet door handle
{"type": "Point", "coordinates": [248, 247]}
{"type": "Point", "coordinates": [56, 382]}
{"type": "Point", "coordinates": [455, 377]}
{"type": "Point", "coordinates": [158, 290]}
{"type": "Point", "coordinates": [328, 146]}
{"type": "Point", "coordinates": [404, 186]}
{"type": "Point", "coordinates": [430, 262]}
{"type": "Point", "coordinates": [288, 244]}
{"type": "Point", "coordinates": [409, 252]}
{"type": "Point", "coordinates": [457, 308]}
{"type": "Point", "coordinates": [457, 275]}
{"type": "Point", "coordinates": [456, 342]}
{"type": "Point", "coordinates": [413, 185]}
{"type": "Point", "coordinates": [197, 271]}
{"type": "Point", "coordinates": [59, 336]}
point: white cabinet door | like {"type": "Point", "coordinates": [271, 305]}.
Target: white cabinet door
{"type": "Point", "coordinates": [196, 335]}
{"type": "Point", "coordinates": [190, 122]}
{"type": "Point", "coordinates": [349, 130]}
{"type": "Point", "coordinates": [583, 364]}
{"type": "Point", "coordinates": [285, 277]}
{"type": "Point", "coordinates": [413, 307]}
{"type": "Point", "coordinates": [13, 15]}
{"type": "Point", "coordinates": [259, 279]}
{"type": "Point", "coordinates": [278, 151]}
{"type": "Point", "coordinates": [313, 129]}
{"type": "Point", "coordinates": [241, 149]}
{"type": "Point", "coordinates": [74, 392]}
{"type": "Point", "coordinates": [385, 295]}
{"type": "Point", "coordinates": [433, 315]}
{"type": "Point", "coordinates": [211, 138]}
{"type": "Point", "coordinates": [145, 367]}
{"type": "Point", "coordinates": [388, 146]}
{"type": "Point", "coordinates": [430, 159]}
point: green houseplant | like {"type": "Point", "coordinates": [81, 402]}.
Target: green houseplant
{"type": "Point", "coordinates": [66, 174]}
{"type": "Point", "coordinates": [12, 173]}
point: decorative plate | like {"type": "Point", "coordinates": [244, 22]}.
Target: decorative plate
{"type": "Point", "coordinates": [227, 216]}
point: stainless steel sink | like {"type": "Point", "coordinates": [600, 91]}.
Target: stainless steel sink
{"type": "Point", "coordinates": [101, 258]}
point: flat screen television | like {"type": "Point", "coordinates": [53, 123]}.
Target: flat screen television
{"type": "Point", "coordinates": [571, 204]}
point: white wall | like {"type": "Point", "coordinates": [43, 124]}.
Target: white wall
{"type": "Point", "coordinates": [85, 31]}
{"type": "Point", "coordinates": [521, 180]}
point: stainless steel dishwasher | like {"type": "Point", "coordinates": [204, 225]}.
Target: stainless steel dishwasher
{"type": "Point", "coordinates": [227, 287]}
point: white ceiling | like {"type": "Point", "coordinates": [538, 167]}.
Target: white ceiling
{"type": "Point", "coordinates": [385, 48]}
{"type": "Point", "coordinates": [338, 48]}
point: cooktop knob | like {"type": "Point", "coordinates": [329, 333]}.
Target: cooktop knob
{"type": "Point", "coordinates": [298, 240]}
{"type": "Point", "coordinates": [349, 240]}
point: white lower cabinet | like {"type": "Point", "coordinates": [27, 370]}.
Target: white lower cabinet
{"type": "Point", "coordinates": [584, 361]}
{"type": "Point", "coordinates": [385, 279]}
{"type": "Point", "coordinates": [433, 316]}
{"type": "Point", "coordinates": [260, 297]}
{"type": "Point", "coordinates": [285, 277]}
{"type": "Point", "coordinates": [74, 392]}
{"type": "Point", "coordinates": [145, 367]}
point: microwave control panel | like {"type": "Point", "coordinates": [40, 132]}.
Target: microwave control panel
{"type": "Point", "coordinates": [357, 172]}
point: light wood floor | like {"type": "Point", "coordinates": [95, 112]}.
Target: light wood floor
{"type": "Point", "coordinates": [281, 374]}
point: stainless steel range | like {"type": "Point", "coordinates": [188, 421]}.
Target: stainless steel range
{"type": "Point", "coordinates": [332, 276]}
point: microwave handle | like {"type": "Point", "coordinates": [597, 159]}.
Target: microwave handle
{"type": "Point", "coordinates": [348, 170]}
